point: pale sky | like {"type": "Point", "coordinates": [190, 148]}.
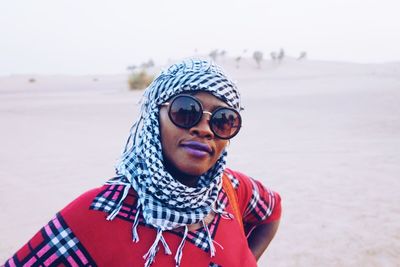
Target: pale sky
{"type": "Point", "coordinates": [101, 37]}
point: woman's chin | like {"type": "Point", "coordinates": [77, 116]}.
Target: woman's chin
{"type": "Point", "coordinates": [193, 170]}
{"type": "Point", "coordinates": [187, 175]}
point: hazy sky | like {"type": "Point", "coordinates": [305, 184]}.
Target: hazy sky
{"type": "Point", "coordinates": [81, 37]}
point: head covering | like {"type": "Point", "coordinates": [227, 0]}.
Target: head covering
{"type": "Point", "coordinates": [165, 203]}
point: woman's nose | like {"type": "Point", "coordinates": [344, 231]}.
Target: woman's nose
{"type": "Point", "coordinates": [202, 129]}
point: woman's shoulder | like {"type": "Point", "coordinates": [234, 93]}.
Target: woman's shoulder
{"type": "Point", "coordinates": [243, 182]}
{"type": "Point", "coordinates": [85, 199]}
{"type": "Point", "coordinates": [237, 177]}
{"type": "Point", "coordinates": [59, 242]}
{"type": "Point", "coordinates": [104, 198]}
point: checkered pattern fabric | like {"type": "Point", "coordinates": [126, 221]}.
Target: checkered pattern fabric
{"type": "Point", "coordinates": [108, 199]}
{"type": "Point", "coordinates": [54, 245]}
{"type": "Point", "coordinates": [260, 204]}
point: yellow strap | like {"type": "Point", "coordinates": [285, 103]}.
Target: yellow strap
{"type": "Point", "coordinates": [232, 197]}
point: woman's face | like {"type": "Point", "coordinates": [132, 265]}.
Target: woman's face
{"type": "Point", "coordinates": [192, 151]}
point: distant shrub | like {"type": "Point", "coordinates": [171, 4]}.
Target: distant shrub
{"type": "Point", "coordinates": [32, 80]}
{"type": "Point", "coordinates": [303, 55]}
{"type": "Point", "coordinates": [213, 54]}
{"type": "Point", "coordinates": [274, 56]}
{"type": "Point", "coordinates": [139, 80]}
{"type": "Point", "coordinates": [258, 57]}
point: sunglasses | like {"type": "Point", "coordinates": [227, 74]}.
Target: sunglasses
{"type": "Point", "coordinates": [186, 111]}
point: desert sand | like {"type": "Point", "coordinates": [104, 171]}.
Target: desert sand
{"type": "Point", "coordinates": [325, 135]}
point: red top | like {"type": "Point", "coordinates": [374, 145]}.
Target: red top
{"type": "Point", "coordinates": [80, 235]}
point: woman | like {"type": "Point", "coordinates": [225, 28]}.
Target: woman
{"type": "Point", "coordinates": [173, 203]}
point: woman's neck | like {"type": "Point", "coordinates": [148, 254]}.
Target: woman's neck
{"type": "Point", "coordinates": [183, 178]}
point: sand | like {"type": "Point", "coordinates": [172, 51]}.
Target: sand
{"type": "Point", "coordinates": [325, 135]}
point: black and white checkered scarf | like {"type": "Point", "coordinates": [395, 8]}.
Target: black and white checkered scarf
{"type": "Point", "coordinates": [164, 202]}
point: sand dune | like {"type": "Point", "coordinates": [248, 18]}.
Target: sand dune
{"type": "Point", "coordinates": [323, 134]}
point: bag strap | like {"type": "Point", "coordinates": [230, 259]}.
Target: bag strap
{"type": "Point", "coordinates": [233, 199]}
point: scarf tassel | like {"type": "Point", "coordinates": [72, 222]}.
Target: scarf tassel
{"type": "Point", "coordinates": [178, 256]}
{"type": "Point", "coordinates": [135, 235]}
{"type": "Point", "coordinates": [151, 253]}
{"type": "Point", "coordinates": [210, 241]}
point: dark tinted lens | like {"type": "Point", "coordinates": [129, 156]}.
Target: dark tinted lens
{"type": "Point", "coordinates": [185, 111]}
{"type": "Point", "coordinates": [226, 122]}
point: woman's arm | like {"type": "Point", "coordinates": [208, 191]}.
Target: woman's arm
{"type": "Point", "coordinates": [261, 236]}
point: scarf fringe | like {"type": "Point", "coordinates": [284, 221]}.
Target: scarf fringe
{"type": "Point", "coordinates": [151, 253]}
{"type": "Point", "coordinates": [210, 240]}
{"type": "Point", "coordinates": [166, 247]}
{"type": "Point", "coordinates": [135, 235]}
{"type": "Point", "coordinates": [179, 252]}
{"type": "Point", "coordinates": [222, 248]}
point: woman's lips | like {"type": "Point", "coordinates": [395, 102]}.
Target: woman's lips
{"type": "Point", "coordinates": [197, 149]}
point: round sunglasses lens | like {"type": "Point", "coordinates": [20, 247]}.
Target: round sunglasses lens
{"type": "Point", "coordinates": [226, 123]}
{"type": "Point", "coordinates": [185, 111]}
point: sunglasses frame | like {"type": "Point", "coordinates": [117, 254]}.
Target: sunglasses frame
{"type": "Point", "coordinates": [169, 104]}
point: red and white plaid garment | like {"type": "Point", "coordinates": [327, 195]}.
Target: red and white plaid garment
{"type": "Point", "coordinates": [79, 235]}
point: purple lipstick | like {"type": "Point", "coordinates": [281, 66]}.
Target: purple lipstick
{"type": "Point", "coordinates": [197, 149]}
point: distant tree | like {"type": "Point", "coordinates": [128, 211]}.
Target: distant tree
{"type": "Point", "coordinates": [258, 57]}
{"type": "Point", "coordinates": [32, 80]}
{"type": "Point", "coordinates": [238, 59]}
{"type": "Point", "coordinates": [213, 54]}
{"type": "Point", "coordinates": [222, 53]}
{"type": "Point", "coordinates": [274, 56]}
{"type": "Point", "coordinates": [281, 55]}
{"type": "Point", "coordinates": [303, 55]}
{"type": "Point", "coordinates": [131, 67]}
{"type": "Point", "coordinates": [148, 64]}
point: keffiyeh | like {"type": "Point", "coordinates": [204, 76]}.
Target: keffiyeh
{"type": "Point", "coordinates": [164, 202]}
